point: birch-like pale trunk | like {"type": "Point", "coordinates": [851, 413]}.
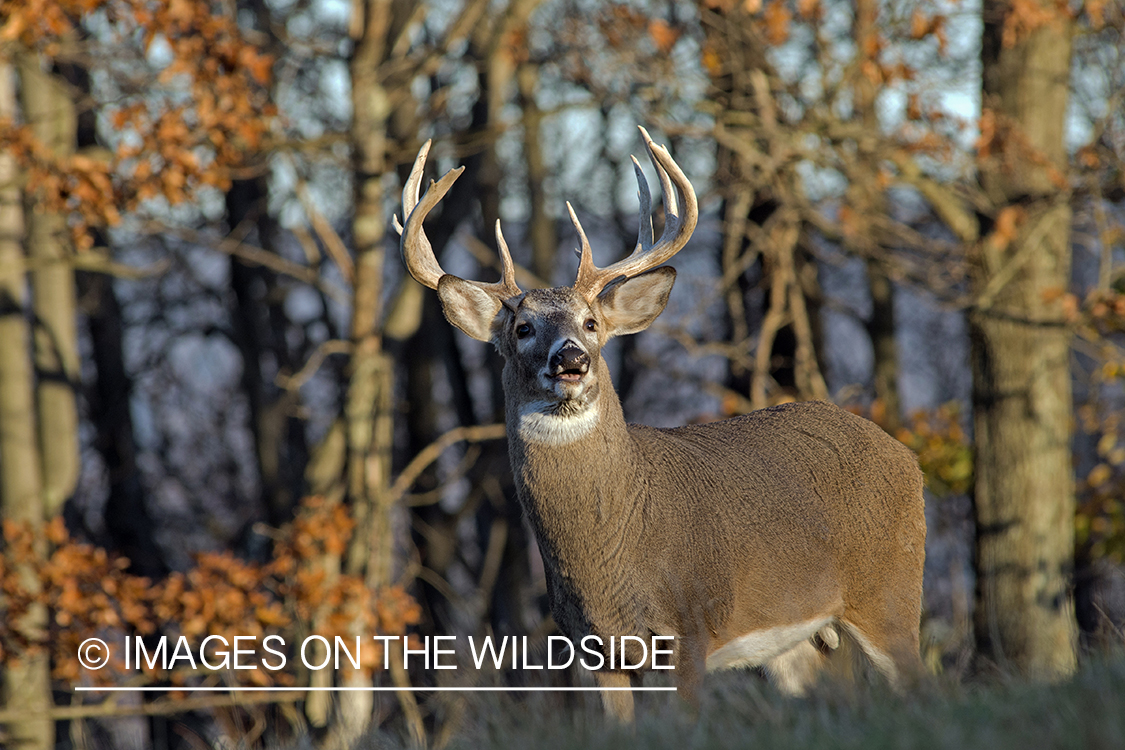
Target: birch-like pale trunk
{"type": "Point", "coordinates": [26, 682]}
{"type": "Point", "coordinates": [50, 110]}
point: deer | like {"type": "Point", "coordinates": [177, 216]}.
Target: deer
{"type": "Point", "coordinates": [752, 540]}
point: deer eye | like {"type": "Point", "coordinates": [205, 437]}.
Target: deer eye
{"type": "Point", "coordinates": [523, 330]}
{"type": "Point", "coordinates": [591, 325]}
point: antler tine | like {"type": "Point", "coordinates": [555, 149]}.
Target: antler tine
{"type": "Point", "coordinates": [644, 228]}
{"type": "Point", "coordinates": [418, 253]}
{"type": "Point", "coordinates": [410, 188]}
{"type": "Point", "coordinates": [670, 203]}
{"type": "Point", "coordinates": [587, 271]}
{"type": "Point", "coordinates": [678, 224]}
{"type": "Point", "coordinates": [506, 288]}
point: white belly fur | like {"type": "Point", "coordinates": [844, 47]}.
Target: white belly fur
{"type": "Point", "coordinates": [756, 648]}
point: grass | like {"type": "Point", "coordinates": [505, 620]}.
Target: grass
{"type": "Point", "coordinates": [739, 710]}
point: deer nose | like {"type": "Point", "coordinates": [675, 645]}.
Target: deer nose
{"type": "Point", "coordinates": [569, 359]}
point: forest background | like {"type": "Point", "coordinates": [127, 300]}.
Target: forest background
{"type": "Point", "coordinates": [224, 410]}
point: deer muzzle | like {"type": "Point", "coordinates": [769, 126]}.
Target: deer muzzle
{"type": "Point", "coordinates": [569, 363]}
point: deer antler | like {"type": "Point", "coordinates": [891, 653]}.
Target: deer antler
{"type": "Point", "coordinates": [418, 253]}
{"type": "Point", "coordinates": [678, 225]}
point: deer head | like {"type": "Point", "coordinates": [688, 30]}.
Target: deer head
{"type": "Point", "coordinates": [553, 337]}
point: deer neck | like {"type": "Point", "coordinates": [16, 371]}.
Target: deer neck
{"type": "Point", "coordinates": [575, 465]}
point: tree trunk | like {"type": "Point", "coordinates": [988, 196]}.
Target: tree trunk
{"type": "Point", "coordinates": [27, 686]}
{"type": "Point", "coordinates": [869, 201]}
{"type": "Point", "coordinates": [368, 408]}
{"type": "Point", "coordinates": [881, 330]}
{"type": "Point", "coordinates": [259, 324]}
{"type": "Point", "coordinates": [127, 520]}
{"type": "Point", "coordinates": [541, 230]}
{"type": "Point", "coordinates": [48, 108]}
{"type": "Point", "coordinates": [1022, 408]}
{"type": "Point", "coordinates": [370, 376]}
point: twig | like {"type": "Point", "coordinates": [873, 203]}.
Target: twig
{"type": "Point", "coordinates": [442, 586]}
{"type": "Point", "coordinates": [232, 245]}
{"type": "Point", "coordinates": [1105, 262]}
{"type": "Point", "coordinates": [112, 709]}
{"type": "Point", "coordinates": [734, 403]}
{"type": "Point", "coordinates": [776, 317]}
{"type": "Point", "coordinates": [308, 245]}
{"type": "Point", "coordinates": [88, 260]}
{"type": "Point", "coordinates": [493, 557]}
{"type": "Point", "coordinates": [736, 262]}
{"type": "Point", "coordinates": [429, 454]}
{"type": "Point", "coordinates": [294, 382]}
{"type": "Point", "coordinates": [434, 496]}
{"type": "Point", "coordinates": [1008, 271]}
{"type": "Point", "coordinates": [407, 700]}
{"type": "Point", "coordinates": [489, 259]}
{"type": "Point", "coordinates": [810, 380]}
{"type": "Point", "coordinates": [332, 242]}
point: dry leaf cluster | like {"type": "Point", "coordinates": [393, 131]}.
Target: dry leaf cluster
{"type": "Point", "coordinates": [91, 594]}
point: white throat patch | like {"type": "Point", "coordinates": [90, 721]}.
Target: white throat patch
{"type": "Point", "coordinates": [538, 424]}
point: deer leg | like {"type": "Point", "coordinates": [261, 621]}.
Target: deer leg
{"type": "Point", "coordinates": [690, 666]}
{"type": "Point", "coordinates": [796, 669]}
{"type": "Point", "coordinates": [618, 703]}
{"type": "Point", "coordinates": [892, 650]}
{"type": "Point", "coordinates": [903, 647]}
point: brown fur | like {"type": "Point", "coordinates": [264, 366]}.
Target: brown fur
{"type": "Point", "coordinates": [709, 532]}
{"type": "Point", "coordinates": [747, 539]}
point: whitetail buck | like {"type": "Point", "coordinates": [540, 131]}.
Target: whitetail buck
{"type": "Point", "coordinates": [748, 539]}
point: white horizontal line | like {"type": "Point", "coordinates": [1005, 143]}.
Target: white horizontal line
{"type": "Point", "coordinates": [368, 689]}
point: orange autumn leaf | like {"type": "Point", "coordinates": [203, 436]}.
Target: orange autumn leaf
{"type": "Point", "coordinates": [1006, 227]}
{"type": "Point", "coordinates": [663, 35]}
{"type": "Point", "coordinates": [226, 103]}
{"type": "Point", "coordinates": [90, 591]}
{"type": "Point", "coordinates": [1095, 11]}
{"type": "Point", "coordinates": [810, 10]}
{"type": "Point", "coordinates": [1024, 17]}
{"type": "Point", "coordinates": [1051, 294]}
{"type": "Point", "coordinates": [777, 19]}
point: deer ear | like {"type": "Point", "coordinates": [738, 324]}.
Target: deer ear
{"type": "Point", "coordinates": [630, 305]}
{"type": "Point", "coordinates": [467, 306]}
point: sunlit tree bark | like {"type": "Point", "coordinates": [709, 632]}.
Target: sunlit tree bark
{"type": "Point", "coordinates": [26, 684]}
{"type": "Point", "coordinates": [370, 394]}
{"type": "Point", "coordinates": [1022, 404]}
{"type": "Point", "coordinates": [49, 108]}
